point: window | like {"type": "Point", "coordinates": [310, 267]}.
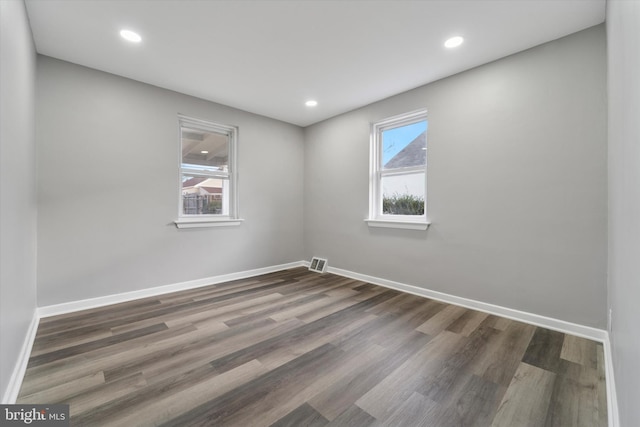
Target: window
{"type": "Point", "coordinates": [208, 193]}
{"type": "Point", "coordinates": [397, 190]}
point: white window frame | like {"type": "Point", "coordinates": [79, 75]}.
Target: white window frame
{"type": "Point", "coordinates": [197, 221]}
{"type": "Point", "coordinates": [376, 173]}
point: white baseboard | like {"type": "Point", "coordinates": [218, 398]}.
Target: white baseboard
{"type": "Point", "coordinates": [13, 388]}
{"type": "Point", "coordinates": [595, 334]}
{"type": "Point", "coordinates": [70, 307]}
{"type": "Point", "coordinates": [522, 316]}
{"type": "Point", "coordinates": [15, 382]}
{"type": "Point", "coordinates": [612, 396]}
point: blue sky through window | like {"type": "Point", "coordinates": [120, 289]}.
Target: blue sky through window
{"type": "Point", "coordinates": [394, 140]}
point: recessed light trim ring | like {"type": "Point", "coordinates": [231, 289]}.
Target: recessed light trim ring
{"type": "Point", "coordinates": [130, 36]}
{"type": "Point", "coordinates": [453, 42]}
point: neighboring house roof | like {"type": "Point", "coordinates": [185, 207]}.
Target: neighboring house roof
{"type": "Point", "coordinates": [202, 186]}
{"type": "Point", "coordinates": [414, 154]}
{"type": "Point", "coordinates": [212, 190]}
{"type": "Point", "coordinates": [202, 182]}
{"type": "Point", "coordinates": [191, 182]}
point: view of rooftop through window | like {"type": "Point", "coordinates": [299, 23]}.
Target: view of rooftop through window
{"type": "Point", "coordinates": [404, 157]}
{"type": "Point", "coordinates": [205, 172]}
{"type": "Point", "coordinates": [396, 139]}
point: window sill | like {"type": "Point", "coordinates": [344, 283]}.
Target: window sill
{"type": "Point", "coordinates": [407, 225]}
{"type": "Point", "coordinates": [206, 222]}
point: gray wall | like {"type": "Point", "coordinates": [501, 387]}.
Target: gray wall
{"type": "Point", "coordinates": [517, 182]}
{"type": "Point", "coordinates": [623, 39]}
{"type": "Point", "coordinates": [17, 185]}
{"type": "Point", "coordinates": [108, 159]}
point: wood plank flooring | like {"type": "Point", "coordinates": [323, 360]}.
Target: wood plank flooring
{"type": "Point", "coordinates": [295, 348]}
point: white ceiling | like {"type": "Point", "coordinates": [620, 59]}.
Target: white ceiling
{"type": "Point", "coordinates": [270, 56]}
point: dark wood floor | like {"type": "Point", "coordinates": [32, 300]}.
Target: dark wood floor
{"type": "Point", "coordinates": [295, 348]}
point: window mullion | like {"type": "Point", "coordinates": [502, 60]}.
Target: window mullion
{"type": "Point", "coordinates": [402, 171]}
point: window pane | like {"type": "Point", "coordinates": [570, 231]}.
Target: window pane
{"type": "Point", "coordinates": [403, 194]}
{"type": "Point", "coordinates": [204, 196]}
{"type": "Point", "coordinates": [203, 150]}
{"type": "Point", "coordinates": [405, 146]}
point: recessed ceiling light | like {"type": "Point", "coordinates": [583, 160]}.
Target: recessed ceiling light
{"type": "Point", "coordinates": [204, 152]}
{"type": "Point", "coordinates": [130, 36]}
{"type": "Point", "coordinates": [453, 42]}
{"type": "Point", "coordinates": [311, 103]}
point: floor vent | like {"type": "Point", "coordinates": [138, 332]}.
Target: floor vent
{"type": "Point", "coordinates": [319, 265]}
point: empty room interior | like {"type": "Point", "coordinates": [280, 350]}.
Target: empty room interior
{"type": "Point", "coordinates": [321, 213]}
